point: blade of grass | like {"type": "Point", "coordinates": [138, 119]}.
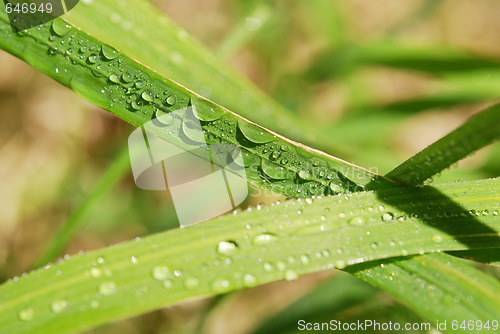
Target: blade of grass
{"type": "Point", "coordinates": [480, 130]}
{"type": "Point", "coordinates": [173, 53]}
{"type": "Point", "coordinates": [105, 76]}
{"type": "Point", "coordinates": [434, 281]}
{"type": "Point", "coordinates": [273, 243]}
{"type": "Point", "coordinates": [115, 172]}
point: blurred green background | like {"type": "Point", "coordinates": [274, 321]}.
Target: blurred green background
{"type": "Point", "coordinates": [380, 80]}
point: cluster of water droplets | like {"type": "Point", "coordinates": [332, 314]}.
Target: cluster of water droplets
{"type": "Point", "coordinates": [124, 86]}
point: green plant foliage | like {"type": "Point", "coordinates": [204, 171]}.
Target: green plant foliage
{"type": "Point", "coordinates": [252, 248]}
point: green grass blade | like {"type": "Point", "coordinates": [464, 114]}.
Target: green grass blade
{"type": "Point", "coordinates": [173, 53]}
{"type": "Point", "coordinates": [271, 243]}
{"type": "Point", "coordinates": [480, 130]}
{"type": "Point", "coordinates": [437, 282]}
{"type": "Point", "coordinates": [136, 94]}
{"type": "Point", "coordinates": [113, 174]}
{"type": "Point", "coordinates": [344, 294]}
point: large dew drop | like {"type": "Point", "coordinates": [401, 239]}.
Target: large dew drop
{"type": "Point", "coordinates": [226, 247]}
{"type": "Point", "coordinates": [108, 52]}
{"type": "Point", "coordinates": [205, 110]}
{"type": "Point", "coordinates": [60, 28]}
{"type": "Point", "coordinates": [254, 133]}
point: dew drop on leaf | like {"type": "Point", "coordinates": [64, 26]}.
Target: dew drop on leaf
{"type": "Point", "coordinates": [108, 52]}
{"type": "Point", "coordinates": [191, 283]}
{"type": "Point", "coordinates": [114, 78]}
{"type": "Point", "coordinates": [220, 284]}
{"type": "Point", "coordinates": [254, 133]}
{"type": "Point", "coordinates": [171, 100]}
{"type": "Point", "coordinates": [291, 275]}
{"type": "Point", "coordinates": [92, 59]}
{"type": "Point", "coordinates": [148, 95]}
{"type": "Point", "coordinates": [340, 264]}
{"type": "Point", "coordinates": [264, 238]}
{"type": "Point", "coordinates": [59, 306]}
{"type": "Point", "coordinates": [356, 221]}
{"type": "Point", "coordinates": [226, 247]}
{"type": "Point", "coordinates": [268, 267]}
{"type": "Point", "coordinates": [387, 216]}
{"type": "Point", "coordinates": [437, 238]}
{"type": "Point", "coordinates": [107, 288]}
{"type": "Point", "coordinates": [127, 77]}
{"type": "Point", "coordinates": [60, 28]}
{"type": "Point", "coordinates": [249, 280]}
{"type": "Point", "coordinates": [27, 314]}
{"type": "Point", "coordinates": [160, 272]}
{"type": "Point", "coordinates": [95, 272]}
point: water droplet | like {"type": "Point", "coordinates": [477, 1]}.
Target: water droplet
{"type": "Point", "coordinates": [275, 171]}
{"type": "Point", "coordinates": [291, 275]}
{"type": "Point", "coordinates": [305, 174]}
{"type": "Point", "coordinates": [107, 288]}
{"type": "Point", "coordinates": [281, 265]}
{"type": "Point", "coordinates": [127, 77]}
{"type": "Point", "coordinates": [136, 105]}
{"type": "Point", "coordinates": [204, 110]}
{"type": "Point", "coordinates": [249, 280]}
{"type": "Point", "coordinates": [220, 285]}
{"type": "Point", "coordinates": [387, 216]}
{"type": "Point", "coordinates": [437, 238]}
{"type": "Point", "coordinates": [191, 283]}
{"type": "Point", "coordinates": [114, 78]}
{"type": "Point", "coordinates": [356, 221]}
{"type": "Point", "coordinates": [226, 247]}
{"type": "Point", "coordinates": [148, 95]}
{"type": "Point", "coordinates": [94, 304]}
{"type": "Point", "coordinates": [95, 272]}
{"type": "Point", "coordinates": [264, 238]}
{"type": "Point", "coordinates": [254, 133]}
{"type": "Point", "coordinates": [304, 259]}
{"type": "Point", "coordinates": [160, 272]}
{"type": "Point", "coordinates": [495, 213]}
{"type": "Point", "coordinates": [404, 252]}
{"type": "Point", "coordinates": [139, 84]}
{"type": "Point", "coordinates": [171, 100]}
{"type": "Point", "coordinates": [92, 59]}
{"type": "Point", "coordinates": [108, 52]}
{"type": "Point", "coordinates": [27, 314]}
{"type": "Point", "coordinates": [340, 264]}
{"type": "Point", "coordinates": [167, 283]}
{"type": "Point", "coordinates": [134, 260]}
{"type": "Point", "coordinates": [268, 267]}
{"type": "Point", "coordinates": [60, 28]}
{"type": "Point", "coordinates": [59, 305]}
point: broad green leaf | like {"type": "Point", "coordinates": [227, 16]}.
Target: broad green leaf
{"type": "Point", "coordinates": [136, 94]}
{"type": "Point", "coordinates": [251, 248]}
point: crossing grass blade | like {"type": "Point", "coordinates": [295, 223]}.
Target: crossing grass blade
{"type": "Point", "coordinates": [479, 131]}
{"type": "Point", "coordinates": [251, 248]}
{"type": "Point", "coordinates": [136, 94]}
